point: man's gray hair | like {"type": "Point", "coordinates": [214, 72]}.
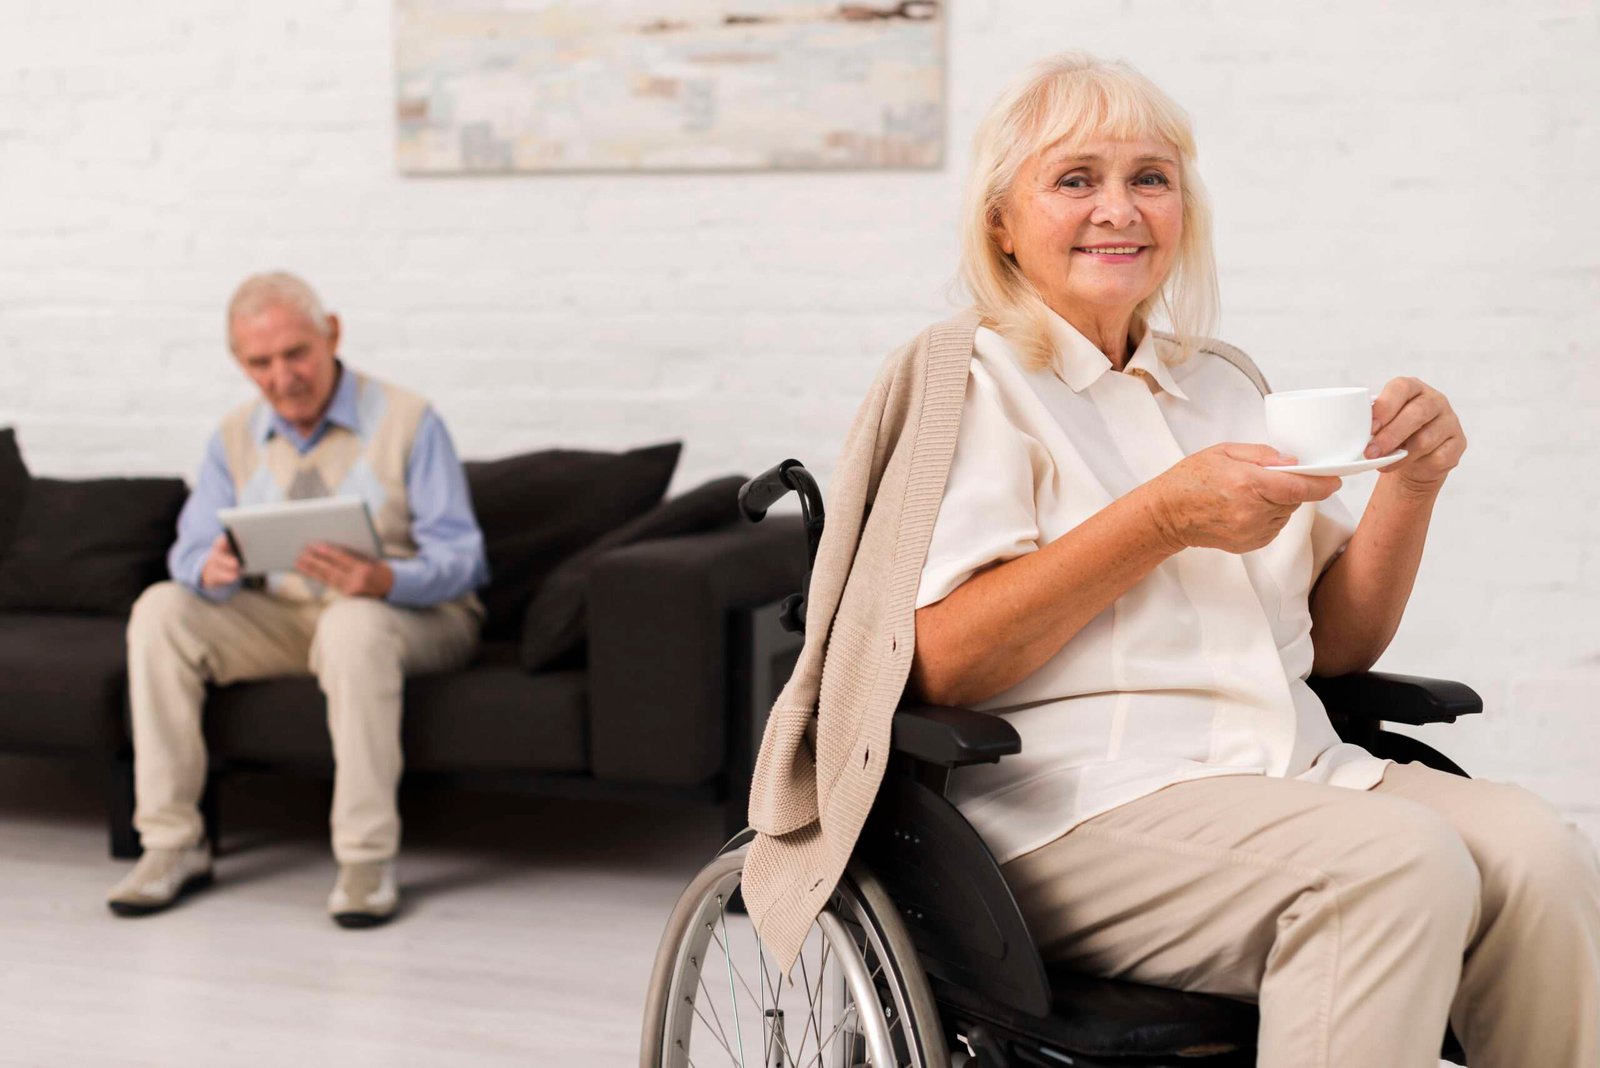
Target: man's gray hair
{"type": "Point", "coordinates": [261, 291]}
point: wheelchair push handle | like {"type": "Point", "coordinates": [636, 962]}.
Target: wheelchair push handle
{"type": "Point", "coordinates": [762, 492]}
{"type": "Point", "coordinates": [765, 490]}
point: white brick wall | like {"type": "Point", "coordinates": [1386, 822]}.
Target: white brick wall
{"type": "Point", "coordinates": [1400, 189]}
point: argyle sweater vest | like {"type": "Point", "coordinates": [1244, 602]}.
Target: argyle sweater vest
{"type": "Point", "coordinates": [368, 462]}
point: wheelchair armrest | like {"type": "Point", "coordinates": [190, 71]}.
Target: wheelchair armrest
{"type": "Point", "coordinates": [1376, 695]}
{"type": "Point", "coordinates": [951, 737]}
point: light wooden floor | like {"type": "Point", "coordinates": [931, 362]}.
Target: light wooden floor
{"type": "Point", "coordinates": [527, 936]}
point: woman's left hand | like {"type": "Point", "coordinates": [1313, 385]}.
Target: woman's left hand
{"type": "Point", "coordinates": [1410, 414]}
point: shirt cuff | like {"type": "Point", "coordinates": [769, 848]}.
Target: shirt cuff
{"type": "Point", "coordinates": [213, 593]}
{"type": "Point", "coordinates": [410, 583]}
{"type": "Point", "coordinates": [219, 593]}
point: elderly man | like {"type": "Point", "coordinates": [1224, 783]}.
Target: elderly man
{"type": "Point", "coordinates": [358, 624]}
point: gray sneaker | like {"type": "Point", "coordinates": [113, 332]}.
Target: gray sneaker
{"type": "Point", "coordinates": [160, 878]}
{"type": "Point", "coordinates": [365, 895]}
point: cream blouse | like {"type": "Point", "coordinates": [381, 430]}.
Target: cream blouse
{"type": "Point", "coordinates": [1199, 669]}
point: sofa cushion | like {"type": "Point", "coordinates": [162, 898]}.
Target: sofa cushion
{"type": "Point", "coordinates": [13, 486]}
{"type": "Point", "coordinates": [539, 508]}
{"type": "Point", "coordinates": [557, 621]}
{"type": "Point", "coordinates": [89, 546]}
{"type": "Point", "coordinates": [62, 682]}
{"type": "Point", "coordinates": [490, 716]}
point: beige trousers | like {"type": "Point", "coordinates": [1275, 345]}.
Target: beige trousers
{"type": "Point", "coordinates": [1360, 920]}
{"type": "Point", "coordinates": [360, 649]}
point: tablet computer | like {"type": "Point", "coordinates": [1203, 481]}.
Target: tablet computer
{"type": "Point", "coordinates": [271, 537]}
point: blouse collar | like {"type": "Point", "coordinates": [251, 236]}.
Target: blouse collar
{"type": "Point", "coordinates": [1080, 364]}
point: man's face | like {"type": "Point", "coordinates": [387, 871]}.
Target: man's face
{"type": "Point", "coordinates": [289, 360]}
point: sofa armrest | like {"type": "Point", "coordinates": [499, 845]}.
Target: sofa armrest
{"type": "Point", "coordinates": [1377, 695]}
{"type": "Point", "coordinates": [658, 645]}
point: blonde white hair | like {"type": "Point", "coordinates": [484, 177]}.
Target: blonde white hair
{"type": "Point", "coordinates": [276, 289]}
{"type": "Point", "coordinates": [1071, 98]}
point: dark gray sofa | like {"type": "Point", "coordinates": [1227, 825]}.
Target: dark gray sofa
{"type": "Point", "coordinates": [662, 708]}
{"type": "Point", "coordinates": [654, 701]}
{"type": "Point", "coordinates": [63, 683]}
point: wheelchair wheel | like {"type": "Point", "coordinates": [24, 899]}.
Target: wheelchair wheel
{"type": "Point", "coordinates": [856, 996]}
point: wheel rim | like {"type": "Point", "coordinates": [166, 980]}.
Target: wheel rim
{"type": "Point", "coordinates": [727, 1004]}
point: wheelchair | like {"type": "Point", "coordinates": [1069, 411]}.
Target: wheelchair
{"type": "Point", "coordinates": [921, 957]}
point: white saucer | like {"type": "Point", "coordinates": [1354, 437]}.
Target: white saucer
{"type": "Point", "coordinates": [1353, 467]}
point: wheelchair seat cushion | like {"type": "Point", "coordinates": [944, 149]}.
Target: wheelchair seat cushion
{"type": "Point", "coordinates": [1110, 1017]}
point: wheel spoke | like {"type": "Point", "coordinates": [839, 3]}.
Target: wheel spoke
{"type": "Point", "coordinates": [733, 995]}
{"type": "Point", "coordinates": [758, 1002]}
{"type": "Point", "coordinates": [783, 1042]}
{"type": "Point", "coordinates": [881, 970]}
{"type": "Point", "coordinates": [769, 1019]}
{"type": "Point", "coordinates": [775, 1029]}
{"type": "Point", "coordinates": [711, 1003]}
{"type": "Point", "coordinates": [720, 1041]}
{"type": "Point", "coordinates": [813, 999]}
{"type": "Point", "coordinates": [773, 983]}
{"type": "Point", "coordinates": [737, 971]}
{"type": "Point", "coordinates": [811, 1005]}
{"type": "Point", "coordinates": [776, 986]}
{"type": "Point", "coordinates": [849, 1012]}
{"type": "Point", "coordinates": [761, 958]}
{"type": "Point", "coordinates": [858, 1007]}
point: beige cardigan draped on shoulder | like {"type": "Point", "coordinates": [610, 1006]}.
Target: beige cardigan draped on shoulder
{"type": "Point", "coordinates": [827, 738]}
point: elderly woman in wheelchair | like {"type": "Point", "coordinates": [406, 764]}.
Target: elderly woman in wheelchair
{"type": "Point", "coordinates": [1055, 537]}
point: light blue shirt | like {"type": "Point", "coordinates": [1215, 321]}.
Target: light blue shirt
{"type": "Point", "coordinates": [450, 559]}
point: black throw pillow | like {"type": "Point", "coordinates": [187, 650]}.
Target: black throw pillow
{"type": "Point", "coordinates": [557, 621]}
{"type": "Point", "coordinates": [539, 508]}
{"type": "Point", "coordinates": [13, 486]}
{"type": "Point", "coordinates": [89, 546]}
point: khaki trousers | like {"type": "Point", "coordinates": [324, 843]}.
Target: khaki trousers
{"type": "Point", "coordinates": [360, 650]}
{"type": "Point", "coordinates": [1360, 920]}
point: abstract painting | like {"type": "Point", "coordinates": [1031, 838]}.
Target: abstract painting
{"type": "Point", "coordinates": [537, 85]}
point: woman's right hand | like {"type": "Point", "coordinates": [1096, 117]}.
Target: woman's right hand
{"type": "Point", "coordinates": [1224, 497]}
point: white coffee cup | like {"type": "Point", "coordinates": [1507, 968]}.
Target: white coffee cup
{"type": "Point", "coordinates": [1320, 426]}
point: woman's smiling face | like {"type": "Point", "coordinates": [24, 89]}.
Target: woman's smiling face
{"type": "Point", "coordinates": [1095, 225]}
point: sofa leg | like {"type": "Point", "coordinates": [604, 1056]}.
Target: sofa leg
{"type": "Point", "coordinates": [124, 839]}
{"type": "Point", "coordinates": [210, 813]}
